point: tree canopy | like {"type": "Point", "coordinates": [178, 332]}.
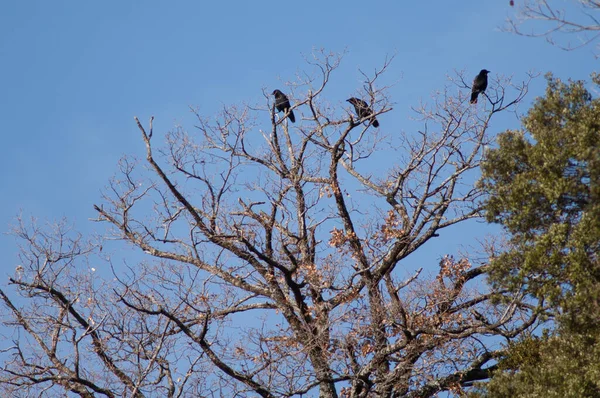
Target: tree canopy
{"type": "Point", "coordinates": [272, 259]}
{"type": "Point", "coordinates": [544, 186]}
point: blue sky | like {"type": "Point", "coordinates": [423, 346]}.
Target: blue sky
{"type": "Point", "coordinates": [73, 74]}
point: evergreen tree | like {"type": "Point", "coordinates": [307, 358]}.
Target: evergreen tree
{"type": "Point", "coordinates": [544, 185]}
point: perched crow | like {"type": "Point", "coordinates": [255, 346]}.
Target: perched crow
{"type": "Point", "coordinates": [362, 110]}
{"type": "Point", "coordinates": [479, 85]}
{"type": "Point", "coordinates": [282, 103]}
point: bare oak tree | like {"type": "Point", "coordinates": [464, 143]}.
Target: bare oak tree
{"type": "Point", "coordinates": [548, 19]}
{"type": "Point", "coordinates": [273, 260]}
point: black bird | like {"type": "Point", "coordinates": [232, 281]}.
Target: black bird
{"type": "Point", "coordinates": [282, 103]}
{"type": "Point", "coordinates": [362, 110]}
{"type": "Point", "coordinates": [479, 85]}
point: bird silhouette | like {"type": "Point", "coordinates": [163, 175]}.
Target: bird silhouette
{"type": "Point", "coordinates": [362, 110]}
{"type": "Point", "coordinates": [479, 85]}
{"type": "Point", "coordinates": [282, 103]}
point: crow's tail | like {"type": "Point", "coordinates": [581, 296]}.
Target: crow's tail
{"type": "Point", "coordinates": [375, 122]}
{"type": "Point", "coordinates": [292, 117]}
{"type": "Point", "coordinates": [474, 95]}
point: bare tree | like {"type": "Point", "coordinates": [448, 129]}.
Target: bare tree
{"type": "Point", "coordinates": [273, 261]}
{"type": "Point", "coordinates": [549, 20]}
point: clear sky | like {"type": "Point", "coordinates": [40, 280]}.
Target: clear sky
{"type": "Point", "coordinates": [74, 73]}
